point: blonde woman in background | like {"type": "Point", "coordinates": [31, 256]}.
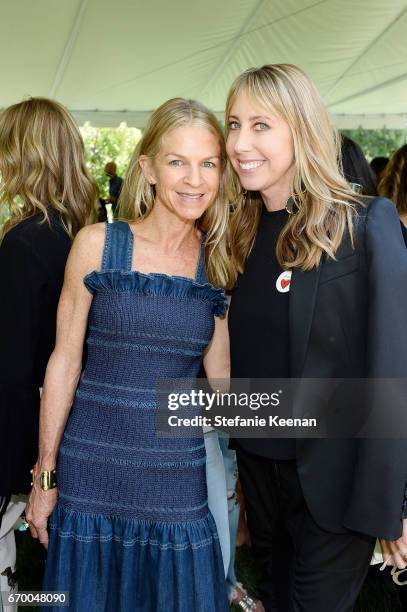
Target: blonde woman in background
{"type": "Point", "coordinates": [321, 292]}
{"type": "Point", "coordinates": [49, 196]}
{"type": "Point", "coordinates": [393, 185]}
{"type": "Point", "coordinates": [130, 514]}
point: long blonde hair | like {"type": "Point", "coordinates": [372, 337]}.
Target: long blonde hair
{"type": "Point", "coordinates": [324, 204]}
{"type": "Point", "coordinates": [42, 165]}
{"type": "Point", "coordinates": [137, 196]}
{"type": "Point", "coordinates": [394, 182]}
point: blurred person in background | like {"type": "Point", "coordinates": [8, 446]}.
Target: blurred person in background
{"type": "Point", "coordinates": [378, 165]}
{"type": "Point", "coordinates": [108, 206]}
{"type": "Point", "coordinates": [356, 169]}
{"type": "Point", "coordinates": [221, 474]}
{"type": "Point", "coordinates": [50, 196]}
{"type": "Point", "coordinates": [394, 182]}
{"type": "Point", "coordinates": [115, 184]}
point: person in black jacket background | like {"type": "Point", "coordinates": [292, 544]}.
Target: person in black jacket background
{"type": "Point", "coordinates": [356, 169]}
{"type": "Point", "coordinates": [321, 293]}
{"type": "Point", "coordinates": [393, 184]}
{"type": "Point", "coordinates": [50, 195]}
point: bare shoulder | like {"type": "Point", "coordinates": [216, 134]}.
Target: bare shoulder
{"type": "Point", "coordinates": [87, 248]}
{"type": "Point", "coordinates": [92, 235]}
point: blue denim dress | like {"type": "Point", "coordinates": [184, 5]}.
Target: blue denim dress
{"type": "Point", "coordinates": [131, 531]}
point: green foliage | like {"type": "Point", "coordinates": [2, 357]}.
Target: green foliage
{"type": "Point", "coordinates": [377, 143]}
{"type": "Point", "coordinates": [103, 145]}
{"type": "Point", "coordinates": [117, 144]}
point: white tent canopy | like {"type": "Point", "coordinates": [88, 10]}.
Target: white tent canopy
{"type": "Point", "coordinates": [113, 61]}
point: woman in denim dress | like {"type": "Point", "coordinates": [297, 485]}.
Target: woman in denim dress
{"type": "Point", "coordinates": [130, 529]}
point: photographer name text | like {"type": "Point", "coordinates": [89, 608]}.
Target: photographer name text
{"type": "Point", "coordinates": [239, 421]}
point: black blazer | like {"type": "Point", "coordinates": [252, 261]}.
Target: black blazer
{"type": "Point", "coordinates": [348, 320]}
{"type": "Point", "coordinates": [32, 263]}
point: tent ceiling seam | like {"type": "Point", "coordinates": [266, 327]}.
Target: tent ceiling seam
{"type": "Point", "coordinates": [272, 23]}
{"type": "Point", "coordinates": [382, 85]}
{"type": "Point", "coordinates": [68, 49]}
{"type": "Point", "coordinates": [364, 51]}
{"type": "Point", "coordinates": [236, 42]}
{"type": "Point", "coordinates": [211, 48]}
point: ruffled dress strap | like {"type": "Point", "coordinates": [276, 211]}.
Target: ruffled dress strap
{"type": "Point", "coordinates": [118, 249]}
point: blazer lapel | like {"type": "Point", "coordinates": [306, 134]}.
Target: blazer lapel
{"type": "Point", "coordinates": [303, 291]}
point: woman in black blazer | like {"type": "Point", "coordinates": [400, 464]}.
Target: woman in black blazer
{"type": "Point", "coordinates": [50, 195]}
{"type": "Point", "coordinates": [321, 292]}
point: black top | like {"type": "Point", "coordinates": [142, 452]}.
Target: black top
{"type": "Point", "coordinates": [258, 324]}
{"type": "Point", "coordinates": [115, 186]}
{"type": "Point", "coordinates": [32, 263]}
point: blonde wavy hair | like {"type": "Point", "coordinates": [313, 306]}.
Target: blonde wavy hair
{"type": "Point", "coordinates": [393, 185]}
{"type": "Point", "coordinates": [137, 196]}
{"type": "Point", "coordinates": [42, 165]}
{"type": "Point", "coordinates": [324, 204]}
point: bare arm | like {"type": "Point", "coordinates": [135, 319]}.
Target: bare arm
{"type": "Point", "coordinates": [217, 357]}
{"type": "Point", "coordinates": [64, 369]}
{"type": "Point", "coordinates": [64, 366]}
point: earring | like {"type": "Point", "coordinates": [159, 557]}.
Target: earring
{"type": "Point", "coordinates": [289, 205]}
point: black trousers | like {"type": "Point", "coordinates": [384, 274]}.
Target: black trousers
{"type": "Point", "coordinates": [303, 568]}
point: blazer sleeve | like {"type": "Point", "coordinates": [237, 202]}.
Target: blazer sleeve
{"type": "Point", "coordinates": [381, 469]}
{"type": "Point", "coordinates": [23, 281]}
{"type": "Point", "coordinates": [387, 272]}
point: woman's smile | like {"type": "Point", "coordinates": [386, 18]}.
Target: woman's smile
{"type": "Point", "coordinates": [250, 165]}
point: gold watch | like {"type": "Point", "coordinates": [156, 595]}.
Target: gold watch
{"type": "Point", "coordinates": [48, 479]}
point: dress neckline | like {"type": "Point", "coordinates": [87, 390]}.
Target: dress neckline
{"type": "Point", "coordinates": [199, 263]}
{"type": "Point", "coordinates": [116, 274]}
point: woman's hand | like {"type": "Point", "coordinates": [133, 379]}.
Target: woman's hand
{"type": "Point", "coordinates": [39, 508]}
{"type": "Point", "coordinates": [395, 551]}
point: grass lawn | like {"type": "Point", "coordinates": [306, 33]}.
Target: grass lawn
{"type": "Point", "coordinates": [378, 594]}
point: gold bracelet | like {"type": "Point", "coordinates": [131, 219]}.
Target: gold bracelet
{"type": "Point", "coordinates": [48, 478]}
